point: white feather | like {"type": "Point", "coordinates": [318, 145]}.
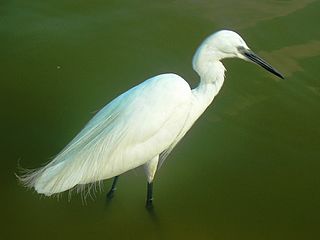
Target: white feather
{"type": "Point", "coordinates": [143, 125]}
{"type": "Point", "coordinates": [117, 138]}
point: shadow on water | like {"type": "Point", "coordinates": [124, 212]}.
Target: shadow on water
{"type": "Point", "coordinates": [149, 207]}
{"type": "Point", "coordinates": [152, 214]}
{"type": "Point", "coordinates": [155, 222]}
{"type": "Point", "coordinates": [150, 210]}
{"type": "Point", "coordinates": [108, 201]}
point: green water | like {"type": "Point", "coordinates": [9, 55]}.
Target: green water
{"type": "Point", "coordinates": [249, 169]}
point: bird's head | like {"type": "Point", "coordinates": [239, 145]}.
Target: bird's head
{"type": "Point", "coordinates": [229, 44]}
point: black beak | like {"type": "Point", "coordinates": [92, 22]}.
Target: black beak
{"type": "Point", "coordinates": [256, 59]}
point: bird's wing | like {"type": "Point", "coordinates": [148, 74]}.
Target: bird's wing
{"type": "Point", "coordinates": [132, 129]}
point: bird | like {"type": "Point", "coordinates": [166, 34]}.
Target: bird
{"type": "Point", "coordinates": [142, 126]}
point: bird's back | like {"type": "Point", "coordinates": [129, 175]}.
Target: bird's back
{"type": "Point", "coordinates": [132, 129]}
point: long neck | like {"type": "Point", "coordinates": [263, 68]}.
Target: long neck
{"type": "Point", "coordinates": [211, 80]}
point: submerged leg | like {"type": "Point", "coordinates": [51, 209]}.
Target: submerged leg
{"type": "Point", "coordinates": [110, 194]}
{"type": "Point", "coordinates": [149, 195]}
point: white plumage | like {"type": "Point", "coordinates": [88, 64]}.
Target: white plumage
{"type": "Point", "coordinates": [141, 126]}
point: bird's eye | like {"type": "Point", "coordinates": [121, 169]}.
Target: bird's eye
{"type": "Point", "coordinates": [241, 49]}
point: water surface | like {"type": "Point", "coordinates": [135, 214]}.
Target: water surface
{"type": "Point", "coordinates": [249, 168]}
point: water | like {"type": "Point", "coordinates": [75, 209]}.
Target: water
{"type": "Point", "coordinates": [249, 168]}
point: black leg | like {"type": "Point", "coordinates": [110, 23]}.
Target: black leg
{"type": "Point", "coordinates": [149, 195]}
{"type": "Point", "coordinates": [110, 194]}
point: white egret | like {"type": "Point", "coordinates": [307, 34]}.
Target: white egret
{"type": "Point", "coordinates": [142, 126]}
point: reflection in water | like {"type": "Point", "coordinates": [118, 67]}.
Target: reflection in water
{"type": "Point", "coordinates": [246, 14]}
{"type": "Point", "coordinates": [290, 57]}
{"type": "Point", "coordinates": [153, 214]}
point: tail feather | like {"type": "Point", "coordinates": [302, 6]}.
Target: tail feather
{"type": "Point", "coordinates": [49, 179]}
{"type": "Point", "coordinates": [84, 159]}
